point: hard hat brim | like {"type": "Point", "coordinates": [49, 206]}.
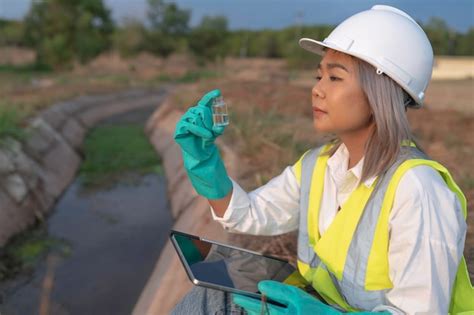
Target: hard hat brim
{"type": "Point", "coordinates": [314, 46]}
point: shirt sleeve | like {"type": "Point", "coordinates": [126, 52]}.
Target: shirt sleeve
{"type": "Point", "coordinates": [427, 234]}
{"type": "Point", "coordinates": [271, 209]}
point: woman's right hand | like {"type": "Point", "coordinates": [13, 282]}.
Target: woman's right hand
{"type": "Point", "coordinates": [195, 134]}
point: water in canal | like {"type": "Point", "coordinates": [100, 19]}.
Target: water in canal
{"type": "Point", "coordinates": [113, 238]}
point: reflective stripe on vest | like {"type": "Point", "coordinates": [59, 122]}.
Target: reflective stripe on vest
{"type": "Point", "coordinates": [350, 269]}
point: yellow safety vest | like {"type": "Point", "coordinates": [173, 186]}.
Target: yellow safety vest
{"type": "Point", "coordinates": [348, 265]}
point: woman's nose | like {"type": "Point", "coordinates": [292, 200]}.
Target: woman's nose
{"type": "Point", "coordinates": [317, 92]}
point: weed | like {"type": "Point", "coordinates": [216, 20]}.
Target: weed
{"type": "Point", "coordinates": [194, 76]}
{"type": "Point", "coordinates": [10, 124]}
{"type": "Point", "coordinates": [164, 77]}
{"type": "Point", "coordinates": [112, 78]}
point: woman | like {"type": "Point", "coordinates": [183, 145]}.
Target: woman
{"type": "Point", "coordinates": [381, 226]}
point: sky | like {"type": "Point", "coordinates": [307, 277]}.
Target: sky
{"type": "Point", "coordinates": [258, 14]}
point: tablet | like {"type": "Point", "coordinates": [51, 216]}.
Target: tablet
{"type": "Point", "coordinates": [228, 268]}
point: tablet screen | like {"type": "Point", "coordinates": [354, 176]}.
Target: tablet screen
{"type": "Point", "coordinates": [227, 267]}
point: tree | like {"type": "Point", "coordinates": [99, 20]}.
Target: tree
{"type": "Point", "coordinates": [208, 40]}
{"type": "Point", "coordinates": [94, 29]}
{"type": "Point", "coordinates": [440, 36]}
{"type": "Point", "coordinates": [64, 30]}
{"type": "Point", "coordinates": [11, 33]}
{"type": "Point", "coordinates": [168, 18]}
{"type": "Point", "coordinates": [130, 38]}
{"type": "Point", "coordinates": [465, 43]}
{"type": "Point", "coordinates": [272, 46]}
{"type": "Point", "coordinates": [168, 25]}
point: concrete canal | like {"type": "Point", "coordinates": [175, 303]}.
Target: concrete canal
{"type": "Point", "coordinates": [106, 241]}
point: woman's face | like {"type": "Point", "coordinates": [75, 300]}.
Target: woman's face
{"type": "Point", "coordinates": [339, 104]}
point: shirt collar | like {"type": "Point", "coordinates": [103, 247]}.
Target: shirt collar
{"type": "Point", "coordinates": [339, 161]}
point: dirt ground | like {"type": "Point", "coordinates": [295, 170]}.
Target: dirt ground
{"type": "Point", "coordinates": [453, 68]}
{"type": "Point", "coordinates": [270, 112]}
{"type": "Point", "coordinates": [30, 91]}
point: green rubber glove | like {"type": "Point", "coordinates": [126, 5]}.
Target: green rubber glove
{"type": "Point", "coordinates": [196, 134]}
{"type": "Point", "coordinates": [296, 300]}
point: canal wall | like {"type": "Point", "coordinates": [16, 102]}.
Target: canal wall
{"type": "Point", "coordinates": [35, 172]}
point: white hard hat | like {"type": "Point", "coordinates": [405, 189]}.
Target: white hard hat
{"type": "Point", "coordinates": [390, 40]}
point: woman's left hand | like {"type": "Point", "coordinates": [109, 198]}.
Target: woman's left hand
{"type": "Point", "coordinates": [295, 301]}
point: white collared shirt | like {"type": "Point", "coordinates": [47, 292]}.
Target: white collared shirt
{"type": "Point", "coordinates": [426, 226]}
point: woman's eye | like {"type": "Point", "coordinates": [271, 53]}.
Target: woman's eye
{"type": "Point", "coordinates": [332, 78]}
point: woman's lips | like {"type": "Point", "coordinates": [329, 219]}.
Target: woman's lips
{"type": "Point", "coordinates": [318, 111]}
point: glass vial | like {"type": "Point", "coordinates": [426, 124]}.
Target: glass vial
{"type": "Point", "coordinates": [220, 116]}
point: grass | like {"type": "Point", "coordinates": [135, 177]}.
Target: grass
{"type": "Point", "coordinates": [467, 183]}
{"type": "Point", "coordinates": [194, 76]}
{"type": "Point", "coordinates": [112, 150]}
{"type": "Point", "coordinates": [188, 77]}
{"type": "Point", "coordinates": [10, 124]}
{"type": "Point", "coordinates": [16, 77]}
{"type": "Point", "coordinates": [25, 249]}
{"type": "Point", "coordinates": [26, 68]}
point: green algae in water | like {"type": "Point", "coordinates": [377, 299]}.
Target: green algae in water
{"type": "Point", "coordinates": [25, 249]}
{"type": "Point", "coordinates": [113, 150]}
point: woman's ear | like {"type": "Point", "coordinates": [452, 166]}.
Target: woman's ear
{"type": "Point", "coordinates": [372, 117]}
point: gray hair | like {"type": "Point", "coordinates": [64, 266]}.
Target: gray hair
{"type": "Point", "coordinates": [388, 102]}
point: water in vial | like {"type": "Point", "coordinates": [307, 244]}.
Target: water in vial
{"type": "Point", "coordinates": [221, 120]}
{"type": "Point", "coordinates": [220, 116]}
